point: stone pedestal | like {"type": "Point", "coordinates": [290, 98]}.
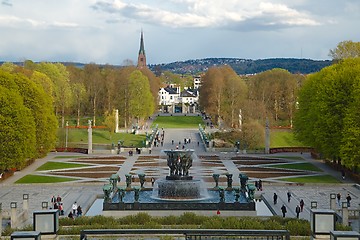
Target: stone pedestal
{"type": "Point", "coordinates": [116, 120]}
{"type": "Point", "coordinates": [89, 138]}
{"type": "Point", "coordinates": [345, 214]}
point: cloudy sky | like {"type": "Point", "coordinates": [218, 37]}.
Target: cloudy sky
{"type": "Point", "coordinates": [108, 31]}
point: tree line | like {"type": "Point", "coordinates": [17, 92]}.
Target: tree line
{"type": "Point", "coordinates": [36, 98]}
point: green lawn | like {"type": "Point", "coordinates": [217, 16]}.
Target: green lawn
{"type": "Point", "coordinates": [313, 179]}
{"type": "Point", "coordinates": [298, 166]}
{"type": "Point", "coordinates": [283, 138]}
{"type": "Point", "coordinates": [178, 121]}
{"type": "Point", "coordinates": [100, 136]}
{"type": "Point", "coordinates": [59, 165]}
{"type": "Point", "coordinates": [43, 179]}
{"type": "Point", "coordinates": [290, 157]}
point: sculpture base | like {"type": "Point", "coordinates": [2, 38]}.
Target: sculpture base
{"type": "Point", "coordinates": [176, 177]}
{"type": "Point", "coordinates": [179, 188]}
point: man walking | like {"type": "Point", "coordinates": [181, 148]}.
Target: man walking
{"type": "Point", "coordinates": [283, 210]}
{"type": "Point", "coordinates": [297, 210]}
{"type": "Point", "coordinates": [275, 198]}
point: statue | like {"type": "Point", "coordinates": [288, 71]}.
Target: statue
{"type": "Point", "coordinates": [142, 179]}
{"type": "Point", "coordinates": [107, 188]}
{"type": "Point", "coordinates": [121, 194]}
{"type": "Point", "coordinates": [114, 179]}
{"type": "Point", "coordinates": [221, 194]}
{"type": "Point", "coordinates": [237, 194]}
{"type": "Point", "coordinates": [243, 181]}
{"type": "Point", "coordinates": [179, 162]}
{"type": "Point", "coordinates": [128, 180]}
{"type": "Point", "coordinates": [251, 191]}
{"type": "Point", "coordinates": [216, 179]}
{"type": "Point", "coordinates": [136, 194]}
{"type": "Point", "coordinates": [229, 180]}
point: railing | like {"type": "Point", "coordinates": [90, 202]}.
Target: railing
{"type": "Point", "coordinates": [190, 234]}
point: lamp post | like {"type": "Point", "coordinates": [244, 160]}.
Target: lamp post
{"type": "Point", "coordinates": [313, 205]}
{"type": "Point", "coordinates": [44, 205]}
{"type": "Point", "coordinates": [66, 134]}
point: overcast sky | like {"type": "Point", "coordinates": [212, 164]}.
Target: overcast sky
{"type": "Point", "coordinates": [108, 31]}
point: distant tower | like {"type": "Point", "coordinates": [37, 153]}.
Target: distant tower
{"type": "Point", "coordinates": [142, 57]}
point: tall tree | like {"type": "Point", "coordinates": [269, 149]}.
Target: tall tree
{"type": "Point", "coordinates": [93, 83]}
{"type": "Point", "coordinates": [345, 49]}
{"type": "Point", "coordinates": [17, 132]}
{"type": "Point", "coordinates": [141, 100]}
{"type": "Point", "coordinates": [326, 107]}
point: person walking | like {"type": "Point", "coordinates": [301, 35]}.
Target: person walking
{"type": "Point", "coordinates": [338, 196]}
{"type": "Point", "coordinates": [275, 197]}
{"type": "Point", "coordinates": [260, 185]}
{"type": "Point", "coordinates": [348, 199]}
{"type": "Point", "coordinates": [297, 210]}
{"type": "Point", "coordinates": [302, 205]}
{"type": "Point", "coordinates": [74, 208]}
{"type": "Point", "coordinates": [289, 196]}
{"type": "Point", "coordinates": [283, 210]}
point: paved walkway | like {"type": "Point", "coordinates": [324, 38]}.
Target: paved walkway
{"type": "Point", "coordinates": [85, 193]}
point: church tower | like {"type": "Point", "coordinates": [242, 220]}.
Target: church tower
{"type": "Point", "coordinates": [142, 57]}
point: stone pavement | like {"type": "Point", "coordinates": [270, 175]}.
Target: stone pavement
{"type": "Point", "coordinates": [85, 193]}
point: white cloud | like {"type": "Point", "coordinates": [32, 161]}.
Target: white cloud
{"type": "Point", "coordinates": [210, 13]}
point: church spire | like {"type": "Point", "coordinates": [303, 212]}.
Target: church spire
{"type": "Point", "coordinates": [142, 57]}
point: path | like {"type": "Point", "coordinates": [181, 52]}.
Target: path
{"type": "Point", "coordinates": [85, 193]}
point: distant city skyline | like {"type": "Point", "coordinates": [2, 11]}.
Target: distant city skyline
{"type": "Point", "coordinates": [108, 31]}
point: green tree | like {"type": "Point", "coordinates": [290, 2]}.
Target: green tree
{"type": "Point", "coordinates": [345, 49]}
{"type": "Point", "coordinates": [109, 122]}
{"type": "Point", "coordinates": [327, 111]}
{"type": "Point", "coordinates": [62, 91]}
{"type": "Point", "coordinates": [141, 99]}
{"type": "Point", "coordinates": [17, 132]}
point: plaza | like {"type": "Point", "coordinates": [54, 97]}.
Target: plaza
{"type": "Point", "coordinates": [89, 179]}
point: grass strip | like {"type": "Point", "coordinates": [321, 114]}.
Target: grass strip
{"type": "Point", "coordinates": [59, 165]}
{"type": "Point", "coordinates": [43, 179]}
{"type": "Point", "coordinates": [312, 179]}
{"type": "Point", "coordinates": [298, 166]}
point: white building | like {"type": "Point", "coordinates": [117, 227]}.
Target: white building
{"type": "Point", "coordinates": [172, 100]}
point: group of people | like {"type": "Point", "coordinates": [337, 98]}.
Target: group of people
{"type": "Point", "coordinates": [57, 204]}
{"type": "Point", "coordinates": [348, 199]}
{"type": "Point", "coordinates": [298, 209]}
{"type": "Point", "coordinates": [76, 211]}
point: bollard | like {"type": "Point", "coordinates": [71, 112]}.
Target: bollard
{"type": "Point", "coordinates": [345, 213]}
{"type": "Point", "coordinates": [13, 216]}
{"type": "Point", "coordinates": [332, 201]}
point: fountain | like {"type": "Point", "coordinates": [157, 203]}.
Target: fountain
{"type": "Point", "coordinates": [179, 192]}
{"type": "Point", "coordinates": [179, 185]}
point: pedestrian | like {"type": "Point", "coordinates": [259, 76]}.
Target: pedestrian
{"type": "Point", "coordinates": [172, 142]}
{"type": "Point", "coordinates": [152, 181]}
{"type": "Point", "coordinates": [283, 210]}
{"type": "Point", "coordinates": [297, 210]}
{"type": "Point", "coordinates": [218, 212]}
{"type": "Point", "coordinates": [79, 211]}
{"type": "Point", "coordinates": [71, 215]}
{"type": "Point", "coordinates": [275, 197]}
{"type": "Point", "coordinates": [338, 196]}
{"type": "Point", "coordinates": [74, 208]}
{"type": "Point", "coordinates": [53, 199]}
{"type": "Point", "coordinates": [289, 196]}
{"type": "Point", "coordinates": [260, 185]}
{"type": "Point", "coordinates": [257, 185]}
{"type": "Point", "coordinates": [61, 209]}
{"type": "Point", "coordinates": [348, 199]}
{"type": "Point", "coordinates": [343, 174]}
{"type": "Point", "coordinates": [58, 199]}
{"type": "Point", "coordinates": [198, 143]}
{"type": "Point", "coordinates": [302, 205]}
